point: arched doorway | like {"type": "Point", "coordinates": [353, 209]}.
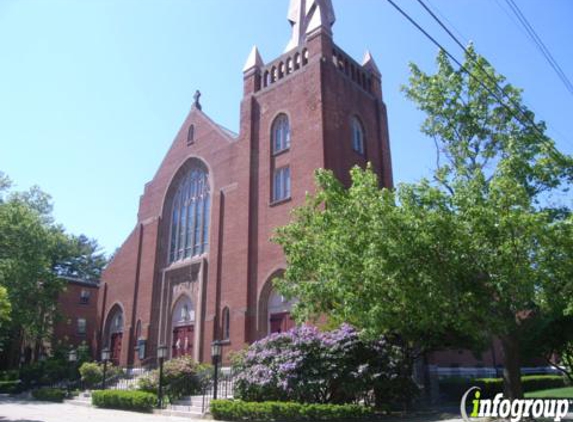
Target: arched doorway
{"type": "Point", "coordinates": [183, 325]}
{"type": "Point", "coordinates": [279, 316]}
{"type": "Point", "coordinates": [115, 333]}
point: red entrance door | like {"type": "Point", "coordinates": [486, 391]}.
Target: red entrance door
{"type": "Point", "coordinates": [281, 322]}
{"type": "Point", "coordinates": [182, 341]}
{"type": "Point", "coordinates": [116, 347]}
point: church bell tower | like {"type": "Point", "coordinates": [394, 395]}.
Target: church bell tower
{"type": "Point", "coordinates": [312, 107]}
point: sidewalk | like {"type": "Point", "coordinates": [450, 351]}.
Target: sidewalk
{"type": "Point", "coordinates": [22, 410]}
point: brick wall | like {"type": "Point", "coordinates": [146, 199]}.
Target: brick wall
{"type": "Point", "coordinates": [235, 273]}
{"type": "Point", "coordinates": [71, 308]}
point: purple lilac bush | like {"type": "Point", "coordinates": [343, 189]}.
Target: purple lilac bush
{"type": "Point", "coordinates": [309, 366]}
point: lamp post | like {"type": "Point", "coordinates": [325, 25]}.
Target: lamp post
{"type": "Point", "coordinates": [215, 356]}
{"type": "Point", "coordinates": [72, 358]}
{"type": "Point", "coordinates": [161, 354]}
{"type": "Point", "coordinates": [105, 355]}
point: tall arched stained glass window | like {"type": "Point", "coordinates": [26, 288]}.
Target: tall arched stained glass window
{"type": "Point", "coordinates": [190, 216]}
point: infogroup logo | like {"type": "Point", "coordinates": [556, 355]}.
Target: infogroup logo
{"type": "Point", "coordinates": [515, 410]}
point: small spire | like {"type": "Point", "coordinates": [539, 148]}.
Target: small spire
{"type": "Point", "coordinates": [197, 97]}
{"type": "Point", "coordinates": [254, 60]}
{"type": "Point", "coordinates": [368, 63]}
{"type": "Point", "coordinates": [306, 16]}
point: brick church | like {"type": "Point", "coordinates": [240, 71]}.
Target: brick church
{"type": "Point", "coordinates": [199, 263]}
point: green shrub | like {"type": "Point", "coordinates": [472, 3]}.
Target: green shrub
{"type": "Point", "coordinates": [49, 394]}
{"type": "Point", "coordinates": [181, 377]}
{"type": "Point", "coordinates": [148, 383]}
{"type": "Point", "coordinates": [91, 373]}
{"type": "Point", "coordinates": [10, 375]}
{"type": "Point", "coordinates": [454, 388]}
{"type": "Point", "coordinates": [47, 372]}
{"type": "Point", "coordinates": [493, 386]}
{"type": "Point", "coordinates": [236, 410]}
{"type": "Point", "coordinates": [139, 401]}
{"type": "Point", "coordinates": [11, 387]}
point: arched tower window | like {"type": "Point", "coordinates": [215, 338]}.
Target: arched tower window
{"type": "Point", "coordinates": [226, 317]}
{"type": "Point", "coordinates": [357, 136]}
{"type": "Point", "coordinates": [280, 134]}
{"type": "Point", "coordinates": [190, 216]}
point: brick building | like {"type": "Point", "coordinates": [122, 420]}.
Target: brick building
{"type": "Point", "coordinates": [199, 263]}
{"type": "Point", "coordinates": [77, 306]}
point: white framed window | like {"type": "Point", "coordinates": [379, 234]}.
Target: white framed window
{"type": "Point", "coordinates": [358, 136]}
{"type": "Point", "coordinates": [84, 297]}
{"type": "Point", "coordinates": [281, 184]}
{"type": "Point", "coordinates": [82, 326]}
{"type": "Point", "coordinates": [280, 134]}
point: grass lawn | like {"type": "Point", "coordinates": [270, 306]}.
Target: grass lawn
{"type": "Point", "coordinates": [556, 393]}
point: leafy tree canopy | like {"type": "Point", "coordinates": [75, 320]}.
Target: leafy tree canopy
{"type": "Point", "coordinates": [453, 260]}
{"type": "Point", "coordinates": [35, 253]}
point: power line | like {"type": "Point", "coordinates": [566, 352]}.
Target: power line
{"type": "Point", "coordinates": [444, 17]}
{"type": "Point", "coordinates": [444, 27]}
{"type": "Point", "coordinates": [511, 17]}
{"type": "Point", "coordinates": [473, 59]}
{"type": "Point", "coordinates": [538, 42]}
{"type": "Point", "coordinates": [528, 118]}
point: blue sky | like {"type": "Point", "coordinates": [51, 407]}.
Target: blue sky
{"type": "Point", "coordinates": [92, 92]}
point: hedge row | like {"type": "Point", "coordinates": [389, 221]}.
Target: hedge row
{"type": "Point", "coordinates": [454, 388]}
{"type": "Point", "coordinates": [49, 394]}
{"type": "Point", "coordinates": [125, 400]}
{"type": "Point", "coordinates": [9, 375]}
{"type": "Point", "coordinates": [11, 387]}
{"type": "Point", "coordinates": [236, 410]}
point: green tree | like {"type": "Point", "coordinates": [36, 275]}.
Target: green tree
{"type": "Point", "coordinates": [454, 260]}
{"type": "Point", "coordinates": [34, 255]}
{"type": "Point", "coordinates": [550, 337]}
{"type": "Point", "coordinates": [5, 309]}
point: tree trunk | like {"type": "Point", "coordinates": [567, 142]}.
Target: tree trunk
{"type": "Point", "coordinates": [512, 388]}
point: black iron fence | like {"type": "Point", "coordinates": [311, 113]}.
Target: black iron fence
{"type": "Point", "coordinates": [129, 379]}
{"type": "Point", "coordinates": [114, 379]}
{"type": "Point", "coordinates": [225, 389]}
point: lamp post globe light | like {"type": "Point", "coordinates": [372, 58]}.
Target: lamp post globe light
{"type": "Point", "coordinates": [105, 355]}
{"type": "Point", "coordinates": [161, 354]}
{"type": "Point", "coordinates": [216, 356]}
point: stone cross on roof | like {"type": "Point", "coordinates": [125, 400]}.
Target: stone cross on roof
{"type": "Point", "coordinates": [307, 15]}
{"type": "Point", "coordinates": [197, 97]}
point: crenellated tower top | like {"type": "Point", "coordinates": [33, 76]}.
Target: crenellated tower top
{"type": "Point", "coordinates": [308, 16]}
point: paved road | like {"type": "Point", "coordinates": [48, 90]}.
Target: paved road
{"type": "Point", "coordinates": [20, 410]}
